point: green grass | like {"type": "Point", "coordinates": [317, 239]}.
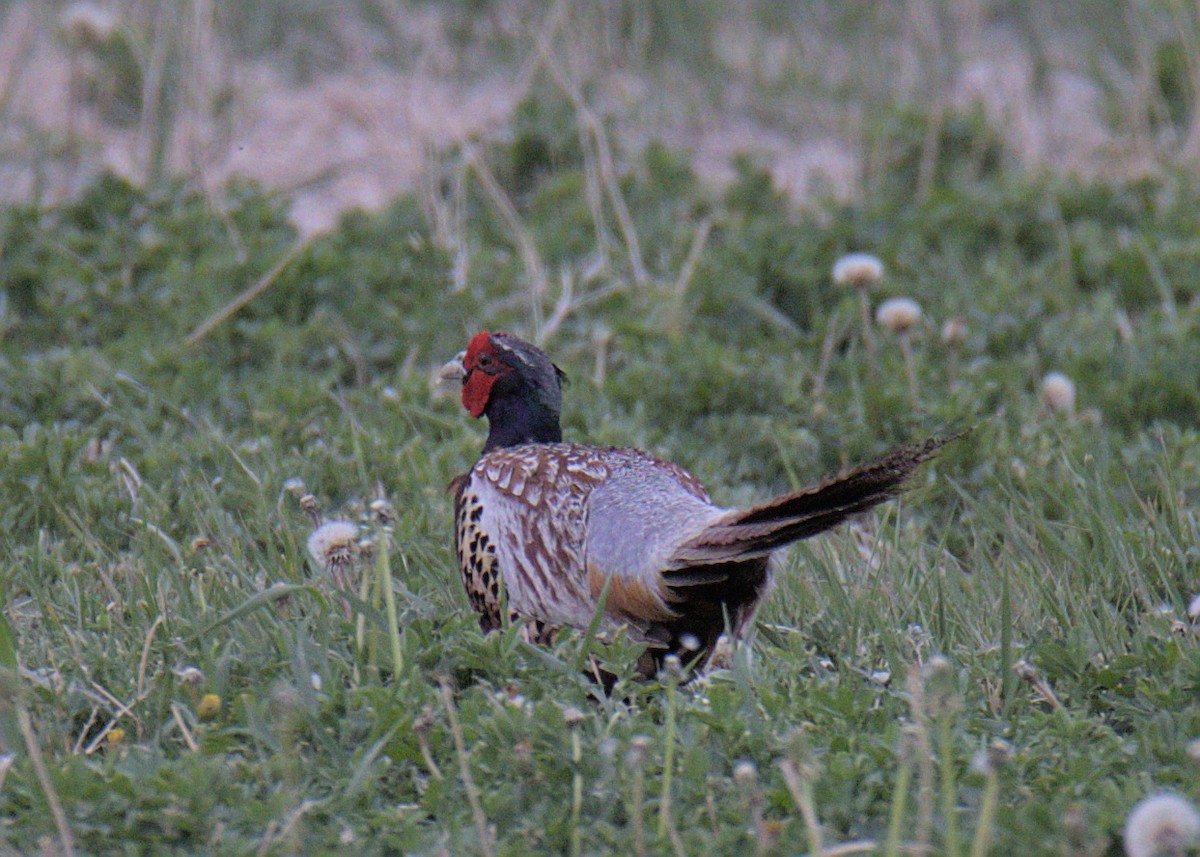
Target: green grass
{"type": "Point", "coordinates": [1069, 542]}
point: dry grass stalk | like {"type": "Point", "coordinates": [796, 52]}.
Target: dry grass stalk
{"type": "Point", "coordinates": [800, 787]}
{"type": "Point", "coordinates": [188, 738]}
{"type": "Point", "coordinates": [1028, 673]}
{"type": "Point", "coordinates": [924, 752]}
{"type": "Point", "coordinates": [604, 164]}
{"type": "Point", "coordinates": [460, 749]}
{"type": "Point", "coordinates": [66, 839]}
{"type": "Point", "coordinates": [636, 759]}
{"type": "Point", "coordinates": [264, 283]}
{"type": "Point", "coordinates": [534, 269]}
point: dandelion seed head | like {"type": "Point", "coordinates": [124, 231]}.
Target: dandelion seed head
{"type": "Point", "coordinates": [601, 334]}
{"type": "Point", "coordinates": [1058, 393]}
{"type": "Point", "coordinates": [690, 642]}
{"type": "Point", "coordinates": [334, 543]}
{"type": "Point", "coordinates": [639, 746]}
{"type": "Point", "coordinates": [745, 772]}
{"type": "Point", "coordinates": [722, 654]}
{"type": "Point", "coordinates": [608, 748]}
{"type": "Point", "coordinates": [1193, 750]}
{"type": "Point", "coordinates": [899, 315]}
{"type": "Point", "coordinates": [859, 270]}
{"type": "Point", "coordinates": [190, 675]}
{"type": "Point", "coordinates": [1161, 824]}
{"type": "Point", "coordinates": [954, 331]}
{"type": "Point", "coordinates": [383, 510]}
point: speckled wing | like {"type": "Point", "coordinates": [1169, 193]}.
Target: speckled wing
{"type": "Point", "coordinates": [527, 506]}
{"type": "Point", "coordinates": [554, 522]}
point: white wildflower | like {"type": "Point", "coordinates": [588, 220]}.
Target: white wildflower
{"type": "Point", "coordinates": [860, 270]}
{"type": "Point", "coordinates": [1058, 393]}
{"type": "Point", "coordinates": [1161, 824]}
{"type": "Point", "coordinates": [899, 315]}
{"type": "Point", "coordinates": [333, 543]}
{"type": "Point", "coordinates": [745, 772]}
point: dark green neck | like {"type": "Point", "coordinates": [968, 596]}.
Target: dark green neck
{"type": "Point", "coordinates": [515, 419]}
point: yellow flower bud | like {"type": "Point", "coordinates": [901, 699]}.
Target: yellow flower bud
{"type": "Point", "coordinates": [209, 707]}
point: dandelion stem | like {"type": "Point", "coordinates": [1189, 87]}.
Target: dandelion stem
{"type": "Point", "coordinates": [949, 787]}
{"type": "Point", "coordinates": [910, 369]}
{"type": "Point", "coordinates": [384, 567]}
{"type": "Point", "coordinates": [924, 752]}
{"type": "Point", "coordinates": [1009, 676]}
{"type": "Point", "coordinates": [987, 813]}
{"type": "Point", "coordinates": [576, 791]}
{"type": "Point", "coordinates": [899, 802]}
{"type": "Point", "coordinates": [360, 621]}
{"type": "Point", "coordinates": [868, 338]}
{"type": "Point", "coordinates": [639, 825]}
{"type": "Point", "coordinates": [664, 804]}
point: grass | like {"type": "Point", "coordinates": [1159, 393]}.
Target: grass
{"type": "Point", "coordinates": [154, 550]}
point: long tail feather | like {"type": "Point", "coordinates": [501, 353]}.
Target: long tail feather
{"type": "Point", "coordinates": [747, 533]}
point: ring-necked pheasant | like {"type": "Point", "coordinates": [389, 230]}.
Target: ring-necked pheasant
{"type": "Point", "coordinates": [547, 527]}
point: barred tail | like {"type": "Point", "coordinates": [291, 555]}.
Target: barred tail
{"type": "Point", "coordinates": [748, 533]}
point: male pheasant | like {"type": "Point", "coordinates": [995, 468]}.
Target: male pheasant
{"type": "Point", "coordinates": [551, 529]}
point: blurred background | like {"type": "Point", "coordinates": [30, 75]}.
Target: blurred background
{"type": "Point", "coordinates": [338, 105]}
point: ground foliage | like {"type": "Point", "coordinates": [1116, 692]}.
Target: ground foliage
{"type": "Point", "coordinates": [151, 522]}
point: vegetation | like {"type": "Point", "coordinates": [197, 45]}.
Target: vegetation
{"type": "Point", "coordinates": [178, 674]}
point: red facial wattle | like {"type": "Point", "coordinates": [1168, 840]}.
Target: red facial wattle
{"type": "Point", "coordinates": [481, 366]}
{"type": "Point", "coordinates": [475, 392]}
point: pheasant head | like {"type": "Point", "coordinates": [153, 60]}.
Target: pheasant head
{"type": "Point", "coordinates": [514, 384]}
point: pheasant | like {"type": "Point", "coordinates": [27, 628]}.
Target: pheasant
{"type": "Point", "coordinates": [555, 531]}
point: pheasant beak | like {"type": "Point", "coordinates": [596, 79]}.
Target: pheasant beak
{"type": "Point", "coordinates": [453, 370]}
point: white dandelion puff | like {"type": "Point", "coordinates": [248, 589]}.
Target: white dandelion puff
{"type": "Point", "coordinates": [334, 547]}
{"type": "Point", "coordinates": [1161, 824]}
{"type": "Point", "coordinates": [859, 270]}
{"type": "Point", "coordinates": [899, 315]}
{"type": "Point", "coordinates": [1058, 393]}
